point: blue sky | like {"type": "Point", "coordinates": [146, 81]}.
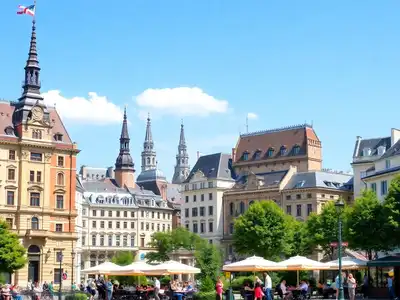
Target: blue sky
{"type": "Point", "coordinates": [333, 63]}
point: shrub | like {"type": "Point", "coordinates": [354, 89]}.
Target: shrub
{"type": "Point", "coordinates": [76, 296]}
{"type": "Point", "coordinates": [164, 280]}
{"type": "Point", "coordinates": [204, 296]}
{"type": "Point", "coordinates": [238, 282]}
{"type": "Point", "coordinates": [207, 284]}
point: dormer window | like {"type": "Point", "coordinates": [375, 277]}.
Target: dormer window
{"type": "Point", "coordinates": [282, 151]}
{"type": "Point", "coordinates": [296, 150]}
{"type": "Point", "coordinates": [270, 152]}
{"type": "Point", "coordinates": [58, 137]}
{"type": "Point", "coordinates": [257, 154]}
{"type": "Point", "coordinates": [381, 150]}
{"type": "Point", "coordinates": [246, 155]}
{"type": "Point", "coordinates": [367, 152]}
{"type": "Point", "coordinates": [9, 130]}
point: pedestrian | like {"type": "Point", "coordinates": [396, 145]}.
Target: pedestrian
{"type": "Point", "coordinates": [157, 287]}
{"type": "Point", "coordinates": [219, 289]}
{"type": "Point", "coordinates": [389, 279]}
{"type": "Point", "coordinates": [267, 286]}
{"type": "Point", "coordinates": [109, 287]}
{"type": "Point", "coordinates": [351, 284]}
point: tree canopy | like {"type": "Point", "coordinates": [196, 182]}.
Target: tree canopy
{"type": "Point", "coordinates": [262, 230]}
{"type": "Point", "coordinates": [12, 253]}
{"type": "Point", "coordinates": [365, 227]}
{"type": "Point", "coordinates": [391, 211]}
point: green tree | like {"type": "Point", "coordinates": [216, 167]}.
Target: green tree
{"type": "Point", "coordinates": [365, 225]}
{"type": "Point", "coordinates": [391, 208]}
{"type": "Point", "coordinates": [209, 261]}
{"type": "Point", "coordinates": [261, 230]}
{"type": "Point", "coordinates": [12, 253]}
{"type": "Point", "coordinates": [296, 238]}
{"type": "Point", "coordinates": [124, 258]}
{"type": "Point", "coordinates": [322, 229]}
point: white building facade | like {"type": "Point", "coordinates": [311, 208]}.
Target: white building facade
{"type": "Point", "coordinates": [367, 152]}
{"type": "Point", "coordinates": [202, 191]}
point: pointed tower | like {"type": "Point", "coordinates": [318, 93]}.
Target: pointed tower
{"type": "Point", "coordinates": [149, 160]}
{"type": "Point", "coordinates": [124, 166]}
{"type": "Point", "coordinates": [182, 167]}
{"type": "Point", "coordinates": [30, 106]}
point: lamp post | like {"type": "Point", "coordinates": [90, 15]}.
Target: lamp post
{"type": "Point", "coordinates": [60, 258]}
{"type": "Point", "coordinates": [339, 208]}
{"type": "Point", "coordinates": [73, 267]}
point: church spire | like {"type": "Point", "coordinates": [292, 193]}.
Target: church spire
{"type": "Point", "coordinates": [124, 159]}
{"type": "Point", "coordinates": [149, 160]}
{"type": "Point", "coordinates": [31, 96]}
{"type": "Point", "coordinates": [182, 167]}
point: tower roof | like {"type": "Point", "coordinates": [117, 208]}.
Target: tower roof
{"type": "Point", "coordinates": [148, 139]}
{"type": "Point", "coordinates": [182, 141]}
{"type": "Point", "coordinates": [124, 160]}
{"type": "Point", "coordinates": [124, 131]}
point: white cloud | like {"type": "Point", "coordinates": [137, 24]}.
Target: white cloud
{"type": "Point", "coordinates": [252, 116]}
{"type": "Point", "coordinates": [181, 101]}
{"type": "Point", "coordinates": [94, 109]}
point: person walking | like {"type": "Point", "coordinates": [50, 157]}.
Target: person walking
{"type": "Point", "coordinates": [109, 287]}
{"type": "Point", "coordinates": [219, 289]}
{"type": "Point", "coordinates": [267, 286]}
{"type": "Point", "coordinates": [157, 287]}
{"type": "Point", "coordinates": [351, 285]}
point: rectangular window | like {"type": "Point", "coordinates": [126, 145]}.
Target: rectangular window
{"type": "Point", "coordinates": [36, 156]}
{"type": "Point", "coordinates": [309, 209]}
{"type": "Point", "coordinates": [373, 187]}
{"type": "Point", "coordinates": [57, 276]}
{"type": "Point", "coordinates": [9, 222]}
{"type": "Point", "coordinates": [202, 227]}
{"type": "Point", "coordinates": [298, 210]}
{"type": "Point", "coordinates": [110, 213]}
{"type": "Point", "coordinates": [288, 197]}
{"type": "Point", "coordinates": [83, 240]}
{"type": "Point", "coordinates": [142, 242]}
{"type": "Point", "coordinates": [152, 214]}
{"type": "Point", "coordinates": [117, 225]}
{"type": "Point", "coordinates": [31, 176]}
{"type": "Point", "coordinates": [11, 154]}
{"type": "Point", "coordinates": [289, 209]}
{"type": "Point", "coordinates": [210, 184]}
{"type": "Point", "coordinates": [59, 228]}
{"type": "Point", "coordinates": [125, 225]}
{"type": "Point", "coordinates": [186, 212]}
{"type": "Point", "coordinates": [132, 242]}
{"type": "Point", "coordinates": [84, 211]}
{"type": "Point", "coordinates": [60, 201]}
{"type": "Point", "coordinates": [309, 195]}
{"type": "Point", "coordinates": [101, 240]}
{"type": "Point", "coordinates": [387, 164]}
{"type": "Point", "coordinates": [202, 209]}
{"type": "Point", "coordinates": [118, 214]}
{"type": "Point", "coordinates": [298, 196]}
{"type": "Point", "coordinates": [109, 224]}
{"type": "Point", "coordinates": [125, 214]}
{"type": "Point", "coordinates": [202, 197]}
{"type": "Point", "coordinates": [210, 196]}
{"type": "Point", "coordinates": [117, 241]}
{"type": "Point", "coordinates": [210, 226]}
{"type": "Point", "coordinates": [383, 187]}
{"type": "Point", "coordinates": [203, 185]}
{"type": "Point", "coordinates": [210, 210]}
{"type": "Point", "coordinates": [231, 227]}
{"type": "Point", "coordinates": [11, 174]}
{"type": "Point", "coordinates": [102, 224]}
{"type": "Point", "coordinates": [10, 197]}
{"type": "Point", "coordinates": [187, 226]}
{"type": "Point", "coordinates": [194, 212]}
{"type": "Point", "coordinates": [83, 223]}
{"type": "Point", "coordinates": [94, 224]}
{"type": "Point", "coordinates": [132, 225]}
{"type": "Point", "coordinates": [94, 213]}
{"type": "Point", "coordinates": [194, 198]}
{"type": "Point", "coordinates": [35, 199]}
{"type": "Point", "coordinates": [102, 213]}
{"type": "Point", "coordinates": [94, 240]}
{"type": "Point", "coordinates": [38, 176]}
{"type": "Point", "coordinates": [125, 241]}
{"type": "Point", "coordinates": [60, 161]}
{"type": "Point", "coordinates": [142, 225]}
{"type": "Point", "coordinates": [132, 214]}
{"type": "Point", "coordinates": [195, 227]}
{"type": "Point", "coordinates": [110, 240]}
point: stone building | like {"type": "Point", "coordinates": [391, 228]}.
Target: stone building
{"type": "Point", "coordinates": [182, 167]}
{"type": "Point", "coordinates": [202, 206]}
{"type": "Point", "coordinates": [367, 153]}
{"type": "Point", "coordinates": [38, 180]}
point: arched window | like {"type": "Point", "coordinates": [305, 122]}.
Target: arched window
{"type": "Point", "coordinates": [242, 207]}
{"type": "Point", "coordinates": [35, 223]}
{"type": "Point", "coordinates": [231, 208]}
{"type": "Point", "coordinates": [33, 249]}
{"type": "Point", "coordinates": [60, 179]}
{"type": "Point", "coordinates": [148, 160]}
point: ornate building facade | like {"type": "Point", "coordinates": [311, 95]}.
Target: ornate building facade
{"type": "Point", "coordinates": [37, 180]}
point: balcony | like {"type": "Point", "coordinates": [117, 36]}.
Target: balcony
{"type": "Point", "coordinates": [37, 233]}
{"type": "Point", "coordinates": [63, 235]}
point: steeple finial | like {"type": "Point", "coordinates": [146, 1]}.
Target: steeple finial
{"type": "Point", "coordinates": [124, 159]}
{"type": "Point", "coordinates": [148, 153]}
{"type": "Point", "coordinates": [182, 141]}
{"type": "Point", "coordinates": [182, 167]}
{"type": "Point", "coordinates": [124, 131]}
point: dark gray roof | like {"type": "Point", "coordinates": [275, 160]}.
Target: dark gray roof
{"type": "Point", "coordinates": [213, 166]}
{"type": "Point", "coordinates": [372, 144]}
{"type": "Point", "coordinates": [320, 179]}
{"type": "Point", "coordinates": [386, 171]}
{"type": "Point", "coordinates": [105, 185]}
{"type": "Point", "coordinates": [79, 186]}
{"type": "Point", "coordinates": [394, 150]}
{"type": "Point", "coordinates": [151, 175]}
{"type": "Point", "coordinates": [269, 179]}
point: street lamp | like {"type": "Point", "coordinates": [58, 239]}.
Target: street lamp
{"type": "Point", "coordinates": [60, 259]}
{"type": "Point", "coordinates": [73, 267]}
{"type": "Point", "coordinates": [339, 205]}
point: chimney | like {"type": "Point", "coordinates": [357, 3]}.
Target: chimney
{"type": "Point", "coordinates": [395, 136]}
{"type": "Point", "coordinates": [359, 138]}
{"type": "Point", "coordinates": [233, 154]}
{"type": "Point", "coordinates": [198, 155]}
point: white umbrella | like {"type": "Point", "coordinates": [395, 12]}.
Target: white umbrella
{"type": "Point", "coordinates": [348, 263]}
{"type": "Point", "coordinates": [135, 268]}
{"type": "Point", "coordinates": [298, 263]}
{"type": "Point", "coordinates": [253, 264]}
{"type": "Point", "coordinates": [104, 268]}
{"type": "Point", "coordinates": [172, 267]}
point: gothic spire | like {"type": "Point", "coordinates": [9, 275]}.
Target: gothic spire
{"type": "Point", "coordinates": [182, 167]}
{"type": "Point", "coordinates": [149, 160]}
{"type": "Point", "coordinates": [31, 85]}
{"type": "Point", "coordinates": [124, 159]}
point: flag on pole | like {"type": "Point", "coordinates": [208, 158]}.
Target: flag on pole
{"type": "Point", "coordinates": [26, 10]}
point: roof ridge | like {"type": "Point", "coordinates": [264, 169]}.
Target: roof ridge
{"type": "Point", "coordinates": [285, 128]}
{"type": "Point", "coordinates": [376, 138]}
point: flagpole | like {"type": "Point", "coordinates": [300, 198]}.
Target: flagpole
{"type": "Point", "coordinates": [34, 12]}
